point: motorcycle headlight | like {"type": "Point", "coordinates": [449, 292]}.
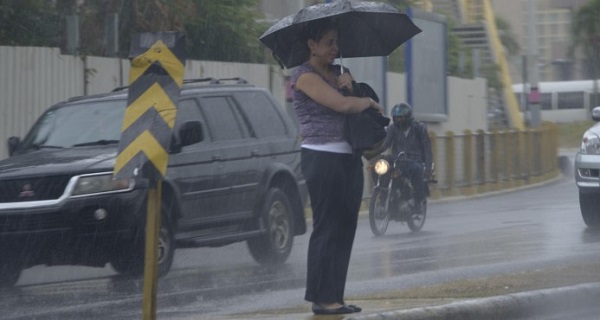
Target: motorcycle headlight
{"type": "Point", "coordinates": [590, 144]}
{"type": "Point", "coordinates": [102, 183]}
{"type": "Point", "coordinates": [382, 167]}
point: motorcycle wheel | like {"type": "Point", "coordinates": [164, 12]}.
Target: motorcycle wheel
{"type": "Point", "coordinates": [417, 219]}
{"type": "Point", "coordinates": [378, 217]}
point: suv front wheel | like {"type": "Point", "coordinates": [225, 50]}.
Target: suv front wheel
{"type": "Point", "coordinates": [275, 245]}
{"type": "Point", "coordinates": [130, 260]}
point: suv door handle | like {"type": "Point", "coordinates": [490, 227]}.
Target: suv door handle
{"type": "Point", "coordinates": [216, 157]}
{"type": "Point", "coordinates": [254, 153]}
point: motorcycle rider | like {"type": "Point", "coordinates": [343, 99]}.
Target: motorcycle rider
{"type": "Point", "coordinates": [408, 135]}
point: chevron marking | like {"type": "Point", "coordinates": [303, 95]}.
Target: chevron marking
{"type": "Point", "coordinates": [155, 97]}
{"type": "Point", "coordinates": [149, 121]}
{"type": "Point", "coordinates": [158, 52]}
{"type": "Point", "coordinates": [147, 144]}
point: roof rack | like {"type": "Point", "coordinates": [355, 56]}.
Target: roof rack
{"type": "Point", "coordinates": [237, 80]}
{"type": "Point", "coordinates": [120, 88]}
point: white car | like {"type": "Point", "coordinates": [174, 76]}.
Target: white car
{"type": "Point", "coordinates": [587, 173]}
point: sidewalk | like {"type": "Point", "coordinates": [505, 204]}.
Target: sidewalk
{"type": "Point", "coordinates": [511, 306]}
{"type": "Point", "coordinates": [520, 295]}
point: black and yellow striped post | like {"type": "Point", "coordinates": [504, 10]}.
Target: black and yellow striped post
{"type": "Point", "coordinates": [155, 80]}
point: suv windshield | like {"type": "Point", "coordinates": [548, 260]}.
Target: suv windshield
{"type": "Point", "coordinates": [95, 123]}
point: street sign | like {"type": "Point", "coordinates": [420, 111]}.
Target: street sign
{"type": "Point", "coordinates": [155, 79]}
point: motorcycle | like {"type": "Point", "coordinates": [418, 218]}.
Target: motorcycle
{"type": "Point", "coordinates": [393, 196]}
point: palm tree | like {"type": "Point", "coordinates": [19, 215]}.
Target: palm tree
{"type": "Point", "coordinates": [507, 37]}
{"type": "Point", "coordinates": [586, 34]}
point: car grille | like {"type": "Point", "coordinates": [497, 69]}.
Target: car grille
{"type": "Point", "coordinates": [33, 189]}
{"type": "Point", "coordinates": [31, 222]}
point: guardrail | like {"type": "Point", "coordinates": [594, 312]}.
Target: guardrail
{"type": "Point", "coordinates": [481, 162]}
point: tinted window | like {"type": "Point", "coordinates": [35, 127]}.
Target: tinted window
{"type": "Point", "coordinates": [222, 120]}
{"type": "Point", "coordinates": [79, 124]}
{"type": "Point", "coordinates": [264, 118]}
{"type": "Point", "coordinates": [570, 100]}
{"type": "Point", "coordinates": [546, 101]}
{"type": "Point", "coordinates": [594, 100]}
{"type": "Point", "coordinates": [188, 110]}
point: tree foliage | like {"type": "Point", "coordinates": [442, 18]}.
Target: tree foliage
{"type": "Point", "coordinates": [29, 22]}
{"type": "Point", "coordinates": [585, 31]}
{"type": "Point", "coordinates": [507, 37]}
{"type": "Point", "coordinates": [225, 30]}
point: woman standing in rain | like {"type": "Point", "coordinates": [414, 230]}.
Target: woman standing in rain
{"type": "Point", "coordinates": [333, 173]}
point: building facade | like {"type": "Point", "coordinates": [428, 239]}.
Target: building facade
{"type": "Point", "coordinates": [553, 34]}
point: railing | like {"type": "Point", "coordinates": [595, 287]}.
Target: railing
{"type": "Point", "coordinates": [483, 162]}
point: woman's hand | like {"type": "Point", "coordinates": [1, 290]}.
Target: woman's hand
{"type": "Point", "coordinates": [375, 105]}
{"type": "Point", "coordinates": [344, 82]}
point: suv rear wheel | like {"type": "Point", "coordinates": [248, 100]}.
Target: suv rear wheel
{"type": "Point", "coordinates": [590, 208]}
{"type": "Point", "coordinates": [130, 261]}
{"type": "Point", "coordinates": [274, 246]}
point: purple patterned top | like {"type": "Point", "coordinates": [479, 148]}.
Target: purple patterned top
{"type": "Point", "coordinates": [318, 124]}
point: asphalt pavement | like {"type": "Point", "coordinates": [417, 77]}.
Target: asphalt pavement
{"type": "Point", "coordinates": [579, 301]}
{"type": "Point", "coordinates": [570, 293]}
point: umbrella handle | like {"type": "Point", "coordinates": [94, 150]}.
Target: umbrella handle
{"type": "Point", "coordinates": [341, 65]}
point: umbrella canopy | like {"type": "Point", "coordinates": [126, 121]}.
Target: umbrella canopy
{"type": "Point", "coordinates": [365, 29]}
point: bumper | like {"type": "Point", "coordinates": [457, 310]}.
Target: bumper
{"type": "Point", "coordinates": [587, 172]}
{"type": "Point", "coordinates": [76, 231]}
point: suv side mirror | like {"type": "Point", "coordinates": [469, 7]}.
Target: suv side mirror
{"type": "Point", "coordinates": [596, 113]}
{"type": "Point", "coordinates": [13, 144]}
{"type": "Point", "coordinates": [190, 133]}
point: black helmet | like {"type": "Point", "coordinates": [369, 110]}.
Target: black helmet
{"type": "Point", "coordinates": [402, 110]}
{"type": "Point", "coordinates": [402, 114]}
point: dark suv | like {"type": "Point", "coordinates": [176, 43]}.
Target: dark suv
{"type": "Point", "coordinates": [233, 175]}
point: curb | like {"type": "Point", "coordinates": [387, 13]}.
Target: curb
{"type": "Point", "coordinates": [511, 306]}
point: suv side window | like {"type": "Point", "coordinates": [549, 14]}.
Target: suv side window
{"type": "Point", "coordinates": [188, 110]}
{"type": "Point", "coordinates": [222, 119]}
{"type": "Point", "coordinates": [263, 115]}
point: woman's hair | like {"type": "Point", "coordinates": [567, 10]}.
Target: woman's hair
{"type": "Point", "coordinates": [315, 30]}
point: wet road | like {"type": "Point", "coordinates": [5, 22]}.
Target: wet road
{"type": "Point", "coordinates": [517, 231]}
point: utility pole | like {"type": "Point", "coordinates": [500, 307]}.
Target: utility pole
{"type": "Point", "coordinates": [532, 64]}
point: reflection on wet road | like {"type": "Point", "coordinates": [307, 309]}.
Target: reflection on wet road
{"type": "Point", "coordinates": [521, 230]}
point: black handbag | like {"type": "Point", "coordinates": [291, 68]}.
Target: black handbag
{"type": "Point", "coordinates": [366, 129]}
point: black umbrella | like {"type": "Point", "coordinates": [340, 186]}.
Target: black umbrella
{"type": "Point", "coordinates": [366, 29]}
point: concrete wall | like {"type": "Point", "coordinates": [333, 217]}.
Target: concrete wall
{"type": "Point", "coordinates": [31, 79]}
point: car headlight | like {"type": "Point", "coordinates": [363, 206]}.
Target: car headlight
{"type": "Point", "coordinates": [382, 167]}
{"type": "Point", "coordinates": [590, 144]}
{"type": "Point", "coordinates": [91, 184]}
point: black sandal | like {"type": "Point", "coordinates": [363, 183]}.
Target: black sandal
{"type": "Point", "coordinates": [354, 307]}
{"type": "Point", "coordinates": [317, 309]}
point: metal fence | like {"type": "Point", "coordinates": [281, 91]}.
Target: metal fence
{"type": "Point", "coordinates": [481, 162]}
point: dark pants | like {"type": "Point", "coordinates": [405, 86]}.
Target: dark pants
{"type": "Point", "coordinates": [335, 185]}
{"type": "Point", "coordinates": [414, 171]}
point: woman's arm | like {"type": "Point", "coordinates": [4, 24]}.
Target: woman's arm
{"type": "Point", "coordinates": [317, 89]}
